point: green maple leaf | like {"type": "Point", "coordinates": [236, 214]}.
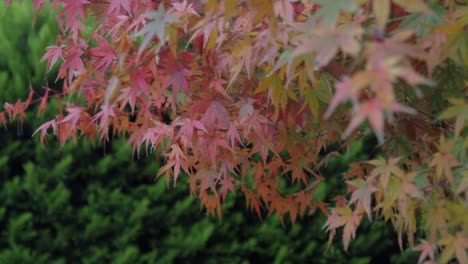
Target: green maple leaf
{"type": "Point", "coordinates": [330, 10]}
{"type": "Point", "coordinates": [459, 111]}
{"type": "Point", "coordinates": [423, 23]}
{"type": "Point", "coordinates": [156, 27]}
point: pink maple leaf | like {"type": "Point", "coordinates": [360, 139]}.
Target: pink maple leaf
{"type": "Point", "coordinates": [104, 52]}
{"type": "Point", "coordinates": [427, 250]}
{"type": "Point", "coordinates": [233, 135]}
{"type": "Point", "coordinates": [115, 7]}
{"type": "Point", "coordinates": [177, 160]}
{"type": "Point", "coordinates": [373, 111]}
{"type": "Point", "coordinates": [73, 11]}
{"type": "Point", "coordinates": [344, 92]}
{"type": "Point", "coordinates": [73, 64]}
{"type": "Point", "coordinates": [216, 112]}
{"type": "Point", "coordinates": [44, 127]}
{"type": "Point", "coordinates": [73, 116]}
{"type": "Point", "coordinates": [362, 196]}
{"type": "Point", "coordinates": [53, 53]}
{"type": "Point", "coordinates": [184, 9]}
{"type": "Point", "coordinates": [104, 115]}
{"type": "Point", "coordinates": [217, 86]}
{"type": "Point", "coordinates": [154, 136]}
{"type": "Point", "coordinates": [227, 185]}
{"type": "Point", "coordinates": [187, 127]}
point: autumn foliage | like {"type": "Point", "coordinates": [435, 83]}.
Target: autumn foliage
{"type": "Point", "coordinates": [248, 96]}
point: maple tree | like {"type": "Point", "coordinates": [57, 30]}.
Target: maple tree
{"type": "Point", "coordinates": [248, 96]}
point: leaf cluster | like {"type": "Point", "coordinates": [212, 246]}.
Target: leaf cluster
{"type": "Point", "coordinates": [247, 96]}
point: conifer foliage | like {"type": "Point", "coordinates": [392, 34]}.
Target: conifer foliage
{"type": "Point", "coordinates": [246, 96]}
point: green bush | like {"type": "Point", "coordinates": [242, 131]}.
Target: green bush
{"type": "Point", "coordinates": [22, 46]}
{"type": "Point", "coordinates": [81, 206]}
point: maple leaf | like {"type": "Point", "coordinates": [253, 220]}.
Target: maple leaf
{"type": "Point", "coordinates": [444, 161]}
{"type": "Point", "coordinates": [374, 111]}
{"type": "Point", "coordinates": [233, 135]}
{"type": "Point", "coordinates": [436, 220]}
{"type": "Point", "coordinates": [176, 160]}
{"type": "Point", "coordinates": [330, 10]}
{"type": "Point", "coordinates": [217, 86]}
{"type": "Point", "coordinates": [16, 109]}
{"type": "Point", "coordinates": [454, 246]}
{"type": "Point", "coordinates": [326, 43]}
{"type": "Point", "coordinates": [407, 185]}
{"type": "Point", "coordinates": [115, 7]}
{"type": "Point", "coordinates": [177, 80]}
{"type": "Point", "coordinates": [262, 10]}
{"type": "Point", "coordinates": [208, 178]}
{"type": "Point", "coordinates": [159, 20]}
{"type": "Point", "coordinates": [3, 119]}
{"type": "Point", "coordinates": [136, 139]}
{"type": "Point", "coordinates": [381, 9]}
{"type": "Point", "coordinates": [284, 9]}
{"type": "Point", "coordinates": [434, 42]}
{"type": "Point", "coordinates": [43, 103]}
{"type": "Point", "coordinates": [246, 108]}
{"type": "Point", "coordinates": [413, 5]}
{"type": "Point", "coordinates": [53, 53]}
{"type": "Point", "coordinates": [344, 216]}
{"type": "Point", "coordinates": [184, 9]}
{"type": "Point", "coordinates": [456, 45]}
{"type": "Point", "coordinates": [227, 185]}
{"type": "Point", "coordinates": [104, 52]}
{"type": "Point", "coordinates": [344, 91]}
{"type": "Point", "coordinates": [463, 186]}
{"type": "Point", "coordinates": [212, 204]}
{"type": "Point", "coordinates": [73, 64]}
{"type": "Point", "coordinates": [72, 11]}
{"type": "Point", "coordinates": [385, 170]}
{"type": "Point", "coordinates": [104, 115]}
{"type": "Point", "coordinates": [140, 81]}
{"type": "Point", "coordinates": [362, 195]}
{"type": "Point", "coordinates": [423, 23]}
{"type": "Point", "coordinates": [139, 85]}
{"type": "Point", "coordinates": [74, 113]}
{"type": "Point", "coordinates": [216, 112]}
{"type": "Point", "coordinates": [9, 109]}
{"type": "Point", "coordinates": [44, 127]}
{"type": "Point", "coordinates": [304, 199]}
{"type": "Point", "coordinates": [187, 127]}
{"type": "Point", "coordinates": [459, 111]}
{"type": "Point", "coordinates": [176, 73]}
{"type": "Point", "coordinates": [207, 29]}
{"type": "Point", "coordinates": [427, 250]}
{"type": "Point", "coordinates": [213, 144]}
{"type": "Point", "coordinates": [242, 56]}
{"type": "Point", "coordinates": [252, 200]}
{"type": "Point", "coordinates": [291, 206]}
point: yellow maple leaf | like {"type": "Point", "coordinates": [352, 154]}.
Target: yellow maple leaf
{"type": "Point", "coordinates": [459, 111]}
{"type": "Point", "coordinates": [444, 161]}
{"type": "Point", "coordinates": [454, 246]}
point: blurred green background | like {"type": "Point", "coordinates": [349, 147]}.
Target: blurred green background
{"type": "Point", "coordinates": [95, 204]}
